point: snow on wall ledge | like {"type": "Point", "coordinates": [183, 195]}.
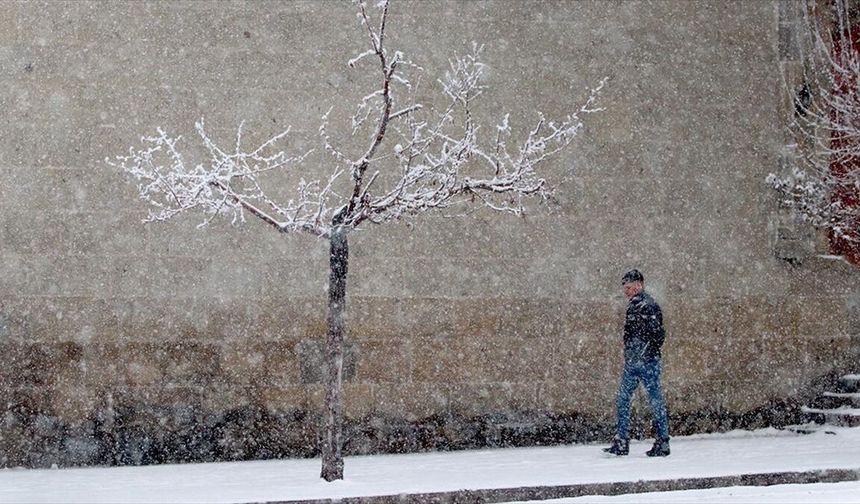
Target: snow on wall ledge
{"type": "Point", "coordinates": [128, 344]}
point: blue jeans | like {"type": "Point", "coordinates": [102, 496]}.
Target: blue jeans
{"type": "Point", "coordinates": [648, 372]}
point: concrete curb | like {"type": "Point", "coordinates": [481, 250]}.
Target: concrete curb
{"type": "Point", "coordinates": [614, 488]}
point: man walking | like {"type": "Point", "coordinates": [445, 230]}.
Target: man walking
{"type": "Point", "coordinates": [643, 338]}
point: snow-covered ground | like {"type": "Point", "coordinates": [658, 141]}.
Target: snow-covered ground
{"type": "Point", "coordinates": [817, 493]}
{"type": "Point", "coordinates": [732, 453]}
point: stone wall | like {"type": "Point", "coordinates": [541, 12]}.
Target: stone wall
{"type": "Point", "coordinates": [131, 343]}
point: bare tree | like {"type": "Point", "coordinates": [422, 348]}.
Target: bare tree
{"type": "Point", "coordinates": [823, 185]}
{"type": "Point", "coordinates": [437, 160]}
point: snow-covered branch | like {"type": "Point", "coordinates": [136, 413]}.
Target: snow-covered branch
{"type": "Point", "coordinates": [415, 157]}
{"type": "Point", "coordinates": [443, 159]}
{"type": "Point", "coordinates": [823, 184]}
{"type": "Point", "coordinates": [227, 184]}
{"type": "Point", "coordinates": [441, 164]}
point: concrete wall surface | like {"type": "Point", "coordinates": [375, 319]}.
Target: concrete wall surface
{"type": "Point", "coordinates": [130, 343]}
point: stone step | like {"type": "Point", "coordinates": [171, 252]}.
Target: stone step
{"type": "Point", "coordinates": [843, 416]}
{"type": "Point", "coordinates": [833, 400]}
{"type": "Point", "coordinates": [847, 398]}
{"type": "Point", "coordinates": [847, 411]}
{"type": "Point", "coordinates": [848, 395]}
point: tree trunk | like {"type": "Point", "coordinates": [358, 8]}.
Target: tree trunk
{"type": "Point", "coordinates": [332, 458]}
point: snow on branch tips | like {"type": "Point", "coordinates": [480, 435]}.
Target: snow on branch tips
{"type": "Point", "coordinates": [227, 184]}
{"type": "Point", "coordinates": [462, 81]}
{"type": "Point", "coordinates": [822, 182]}
{"type": "Point", "coordinates": [435, 153]}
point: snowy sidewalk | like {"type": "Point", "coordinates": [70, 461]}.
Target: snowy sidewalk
{"type": "Point", "coordinates": [734, 453]}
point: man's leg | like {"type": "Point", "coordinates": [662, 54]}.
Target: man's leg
{"type": "Point", "coordinates": [629, 382]}
{"type": "Point", "coordinates": [651, 380]}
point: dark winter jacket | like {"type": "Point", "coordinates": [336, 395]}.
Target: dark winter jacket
{"type": "Point", "coordinates": [643, 329]}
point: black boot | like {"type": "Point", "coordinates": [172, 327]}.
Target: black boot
{"type": "Point", "coordinates": [619, 447]}
{"type": "Point", "coordinates": [660, 448]}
